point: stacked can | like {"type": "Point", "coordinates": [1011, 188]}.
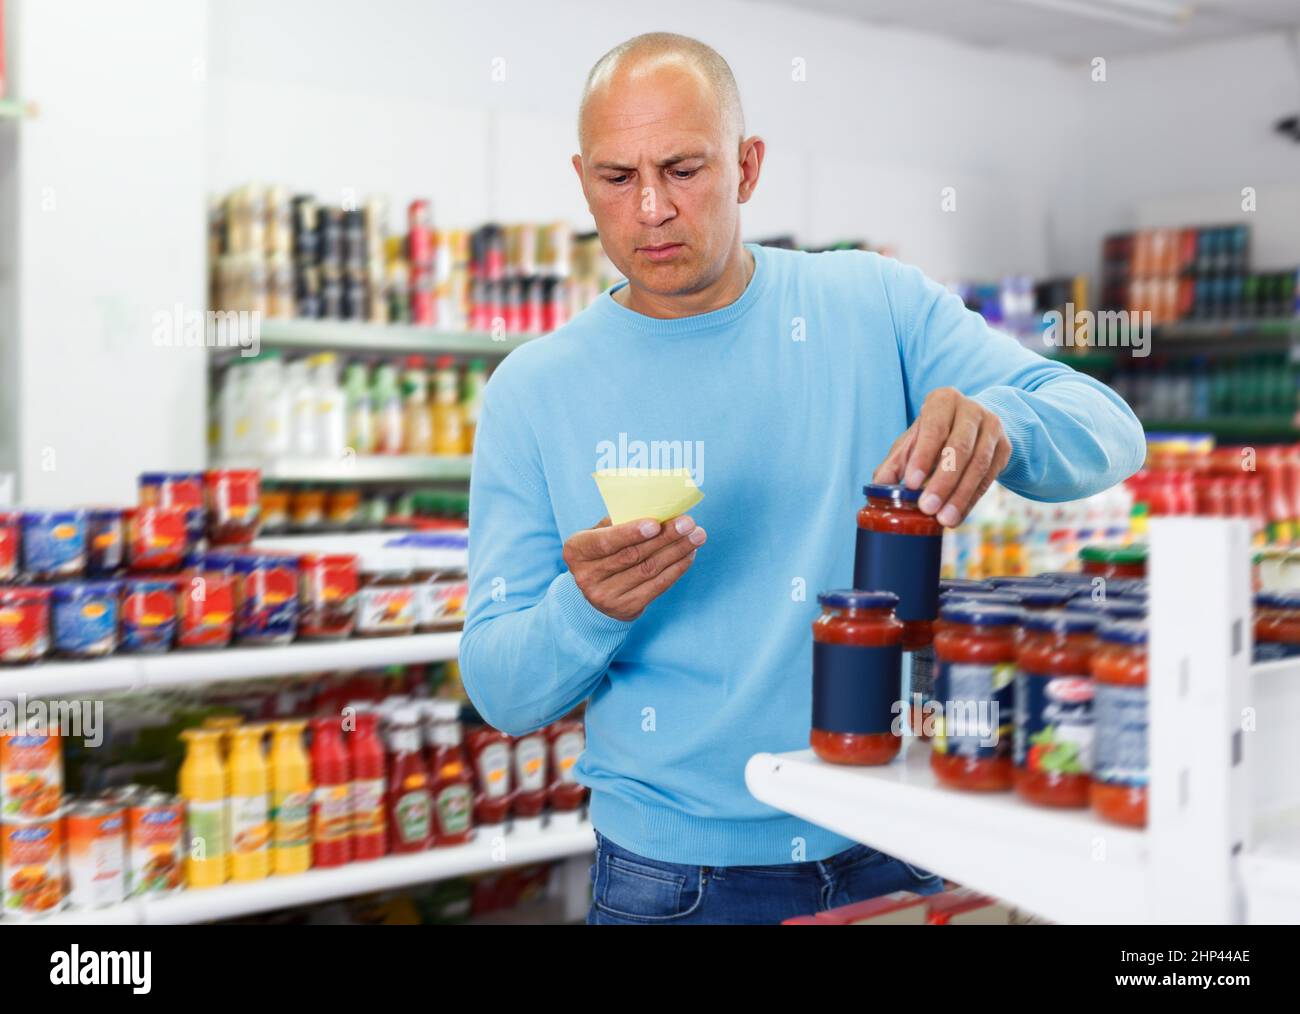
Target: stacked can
{"type": "Point", "coordinates": [32, 855]}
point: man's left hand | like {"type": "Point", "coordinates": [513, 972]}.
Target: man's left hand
{"type": "Point", "coordinates": [958, 445]}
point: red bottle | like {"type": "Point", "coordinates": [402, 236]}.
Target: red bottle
{"type": "Point", "coordinates": [410, 802]}
{"type": "Point", "coordinates": [567, 739]}
{"type": "Point", "coordinates": [331, 803]}
{"type": "Point", "coordinates": [369, 808]}
{"type": "Point", "coordinates": [530, 774]}
{"type": "Point", "coordinates": [489, 752]}
{"type": "Point", "coordinates": [453, 785]}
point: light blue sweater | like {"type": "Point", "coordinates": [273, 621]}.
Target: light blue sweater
{"type": "Point", "coordinates": [782, 403]}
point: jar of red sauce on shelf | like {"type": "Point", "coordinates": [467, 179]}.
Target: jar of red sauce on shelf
{"type": "Point", "coordinates": [1277, 625]}
{"type": "Point", "coordinates": [10, 541]}
{"type": "Point", "coordinates": [489, 753]}
{"type": "Point", "coordinates": [898, 550]}
{"type": "Point", "coordinates": [1114, 561]}
{"type": "Point", "coordinates": [24, 624]}
{"type": "Point", "coordinates": [567, 739]}
{"type": "Point", "coordinates": [233, 497]}
{"type": "Point", "coordinates": [1119, 673]}
{"type": "Point", "coordinates": [266, 598]}
{"type": "Point", "coordinates": [974, 695]}
{"type": "Point", "coordinates": [157, 537]}
{"type": "Point", "coordinates": [1053, 741]}
{"type": "Point", "coordinates": [856, 677]}
{"type": "Point", "coordinates": [205, 609]}
{"type": "Point", "coordinates": [327, 584]}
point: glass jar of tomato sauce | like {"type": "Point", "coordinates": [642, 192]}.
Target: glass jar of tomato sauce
{"type": "Point", "coordinates": [1114, 561]}
{"type": "Point", "coordinates": [1052, 745]}
{"type": "Point", "coordinates": [857, 677]}
{"type": "Point", "coordinates": [898, 550]}
{"type": "Point", "coordinates": [1277, 625]}
{"type": "Point", "coordinates": [1119, 673]}
{"type": "Point", "coordinates": [975, 646]}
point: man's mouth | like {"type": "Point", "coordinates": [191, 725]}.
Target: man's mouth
{"type": "Point", "coordinates": [660, 251]}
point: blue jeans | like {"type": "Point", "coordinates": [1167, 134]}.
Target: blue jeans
{"type": "Point", "coordinates": [628, 889]}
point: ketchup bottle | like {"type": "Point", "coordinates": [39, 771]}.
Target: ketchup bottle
{"type": "Point", "coordinates": [409, 800]}
{"type": "Point", "coordinates": [453, 786]}
{"type": "Point", "coordinates": [567, 739]}
{"type": "Point", "coordinates": [489, 752]}
{"type": "Point", "coordinates": [331, 804]}
{"type": "Point", "coordinates": [369, 811]}
{"type": "Point", "coordinates": [530, 774]}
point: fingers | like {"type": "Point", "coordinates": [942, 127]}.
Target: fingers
{"type": "Point", "coordinates": [957, 449]}
{"type": "Point", "coordinates": [989, 456]}
{"type": "Point", "coordinates": [606, 540]}
{"type": "Point", "coordinates": [933, 426]}
{"type": "Point", "coordinates": [637, 600]}
{"type": "Point", "coordinates": [654, 564]}
{"type": "Point", "coordinates": [891, 469]}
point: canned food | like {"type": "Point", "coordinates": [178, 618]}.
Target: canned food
{"type": "Point", "coordinates": [158, 537]}
{"type": "Point", "coordinates": [328, 591]}
{"type": "Point", "coordinates": [10, 538]}
{"type": "Point", "coordinates": [96, 831]}
{"type": "Point", "coordinates": [54, 544]}
{"type": "Point", "coordinates": [24, 624]}
{"type": "Point", "coordinates": [105, 540]}
{"type": "Point", "coordinates": [266, 598]}
{"type": "Point", "coordinates": [84, 618]}
{"type": "Point", "coordinates": [148, 614]}
{"type": "Point", "coordinates": [157, 828]}
{"type": "Point", "coordinates": [171, 489]}
{"type": "Point", "coordinates": [234, 505]}
{"type": "Point", "coordinates": [307, 508]}
{"type": "Point", "coordinates": [31, 856]}
{"type": "Point", "coordinates": [205, 610]}
{"type": "Point", "coordinates": [31, 776]}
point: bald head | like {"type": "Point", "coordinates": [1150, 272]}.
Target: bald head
{"type": "Point", "coordinates": [643, 57]}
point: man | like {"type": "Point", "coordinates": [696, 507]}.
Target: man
{"type": "Point", "coordinates": [797, 373]}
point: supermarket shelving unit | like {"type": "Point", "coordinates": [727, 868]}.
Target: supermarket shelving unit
{"type": "Point", "coordinates": [570, 839]}
{"type": "Point", "coordinates": [361, 468]}
{"type": "Point", "coordinates": [1223, 841]}
{"type": "Point", "coordinates": [360, 338]}
{"type": "Point", "coordinates": [1232, 428]}
{"type": "Point", "coordinates": [179, 668]}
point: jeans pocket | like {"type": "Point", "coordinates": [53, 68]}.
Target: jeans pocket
{"type": "Point", "coordinates": [642, 891]}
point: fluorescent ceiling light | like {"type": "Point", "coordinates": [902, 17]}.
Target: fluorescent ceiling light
{"type": "Point", "coordinates": [1161, 17]}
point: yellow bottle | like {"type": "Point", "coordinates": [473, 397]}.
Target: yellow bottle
{"type": "Point", "coordinates": [448, 413]}
{"type": "Point", "coordinates": [224, 724]}
{"type": "Point", "coordinates": [290, 800]}
{"type": "Point", "coordinates": [204, 787]}
{"type": "Point", "coordinates": [250, 801]}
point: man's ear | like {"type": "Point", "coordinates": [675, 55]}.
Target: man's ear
{"type": "Point", "coordinates": [752, 150]}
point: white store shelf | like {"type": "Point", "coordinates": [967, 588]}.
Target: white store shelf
{"type": "Point", "coordinates": [178, 668]}
{"type": "Point", "coordinates": [361, 337]}
{"type": "Point", "coordinates": [1064, 865]}
{"type": "Point", "coordinates": [361, 468]}
{"type": "Point", "coordinates": [481, 855]}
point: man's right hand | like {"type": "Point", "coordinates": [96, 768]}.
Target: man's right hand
{"type": "Point", "coordinates": [621, 569]}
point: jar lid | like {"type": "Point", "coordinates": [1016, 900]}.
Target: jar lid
{"type": "Point", "coordinates": [1123, 632]}
{"type": "Point", "coordinates": [1016, 583]}
{"type": "Point", "coordinates": [1118, 609]}
{"type": "Point", "coordinates": [891, 491]}
{"type": "Point", "coordinates": [855, 598]}
{"type": "Point", "coordinates": [1132, 554]}
{"type": "Point", "coordinates": [1059, 621]}
{"type": "Point", "coordinates": [1278, 600]}
{"type": "Point", "coordinates": [1050, 595]}
{"type": "Point", "coordinates": [85, 589]}
{"type": "Point", "coordinates": [963, 584]}
{"type": "Point", "coordinates": [1006, 597]}
{"type": "Point", "coordinates": [979, 613]}
{"type": "Point", "coordinates": [153, 478]}
{"type": "Point", "coordinates": [1068, 577]}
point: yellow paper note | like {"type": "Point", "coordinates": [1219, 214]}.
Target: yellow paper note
{"type": "Point", "coordinates": [659, 493]}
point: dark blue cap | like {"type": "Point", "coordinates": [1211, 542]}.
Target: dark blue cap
{"type": "Point", "coordinates": [1005, 597]}
{"type": "Point", "coordinates": [1118, 609]}
{"type": "Point", "coordinates": [1018, 582]}
{"type": "Point", "coordinates": [980, 614]}
{"type": "Point", "coordinates": [963, 584]}
{"type": "Point", "coordinates": [891, 491]}
{"type": "Point", "coordinates": [1061, 621]}
{"type": "Point", "coordinates": [1067, 577]}
{"type": "Point", "coordinates": [1278, 600]}
{"type": "Point", "coordinates": [1047, 595]}
{"type": "Point", "coordinates": [1123, 632]}
{"type": "Point", "coordinates": [855, 598]}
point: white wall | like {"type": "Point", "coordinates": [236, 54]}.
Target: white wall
{"type": "Point", "coordinates": [107, 188]}
{"type": "Point", "coordinates": [398, 97]}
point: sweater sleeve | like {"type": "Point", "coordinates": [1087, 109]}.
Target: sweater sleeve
{"type": "Point", "coordinates": [533, 646]}
{"type": "Point", "coordinates": [1071, 436]}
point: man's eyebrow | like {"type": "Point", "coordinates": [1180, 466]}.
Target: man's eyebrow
{"type": "Point", "coordinates": [670, 160]}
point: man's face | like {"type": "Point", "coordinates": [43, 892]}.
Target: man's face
{"type": "Point", "coordinates": [661, 175]}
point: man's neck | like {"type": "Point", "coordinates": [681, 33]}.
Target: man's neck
{"type": "Point", "coordinates": [729, 287]}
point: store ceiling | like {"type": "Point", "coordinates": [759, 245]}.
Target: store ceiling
{"type": "Point", "coordinates": [1071, 29]}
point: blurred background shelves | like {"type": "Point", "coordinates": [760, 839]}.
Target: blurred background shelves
{"type": "Point", "coordinates": [362, 468]}
{"type": "Point", "coordinates": [381, 339]}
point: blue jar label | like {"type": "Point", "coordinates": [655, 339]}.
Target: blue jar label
{"type": "Point", "coordinates": [974, 709]}
{"type": "Point", "coordinates": [86, 625]}
{"type": "Point", "coordinates": [855, 689]}
{"type": "Point", "coordinates": [1121, 717]}
{"type": "Point", "coordinates": [907, 565]}
{"type": "Point", "coordinates": [1269, 651]}
{"type": "Point", "coordinates": [1054, 724]}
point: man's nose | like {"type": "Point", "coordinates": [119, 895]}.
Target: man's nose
{"type": "Point", "coordinates": [655, 208]}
